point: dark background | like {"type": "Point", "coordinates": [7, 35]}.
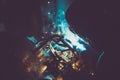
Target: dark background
{"type": "Point", "coordinates": [97, 19]}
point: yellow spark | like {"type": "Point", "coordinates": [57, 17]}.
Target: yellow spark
{"type": "Point", "coordinates": [60, 66]}
{"type": "Point", "coordinates": [42, 69]}
{"type": "Point", "coordinates": [59, 33]}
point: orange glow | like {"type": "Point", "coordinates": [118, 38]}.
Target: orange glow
{"type": "Point", "coordinates": [40, 54]}
{"type": "Point", "coordinates": [25, 57]}
{"type": "Point", "coordinates": [42, 68]}
{"type": "Point", "coordinates": [29, 69]}
{"type": "Point", "coordinates": [59, 78]}
{"type": "Point", "coordinates": [61, 66]}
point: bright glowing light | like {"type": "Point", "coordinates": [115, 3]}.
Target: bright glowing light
{"type": "Point", "coordinates": [43, 68]}
{"type": "Point", "coordinates": [49, 13]}
{"type": "Point", "coordinates": [48, 2]}
{"type": "Point", "coordinates": [62, 26]}
{"type": "Point", "coordinates": [73, 41]}
{"type": "Point", "coordinates": [71, 38]}
{"type": "Point", "coordinates": [59, 49]}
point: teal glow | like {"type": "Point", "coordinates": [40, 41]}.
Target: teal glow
{"type": "Point", "coordinates": [100, 57]}
{"type": "Point", "coordinates": [56, 15]}
{"type": "Point", "coordinates": [72, 38]}
{"type": "Point", "coordinates": [58, 24]}
{"type": "Point", "coordinates": [32, 39]}
{"type": "Point", "coordinates": [49, 77]}
{"type": "Point", "coordinates": [58, 47]}
{"type": "Point", "coordinates": [60, 44]}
